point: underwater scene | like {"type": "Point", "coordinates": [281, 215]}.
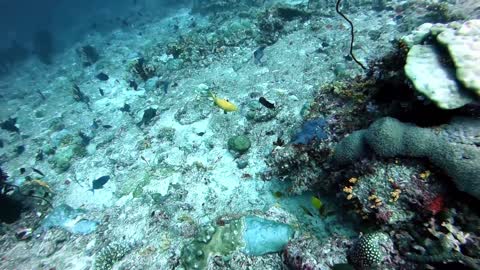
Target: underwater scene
{"type": "Point", "coordinates": [239, 134]}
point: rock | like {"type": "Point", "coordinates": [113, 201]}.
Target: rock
{"type": "Point", "coordinates": [242, 164]}
{"type": "Point", "coordinates": [193, 111]}
{"type": "Point", "coordinates": [308, 252]}
{"type": "Point", "coordinates": [239, 144]}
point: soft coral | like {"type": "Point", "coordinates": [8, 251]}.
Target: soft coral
{"type": "Point", "coordinates": [436, 205]}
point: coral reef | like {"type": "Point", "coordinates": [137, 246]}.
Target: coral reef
{"type": "Point", "coordinates": [449, 86]}
{"type": "Point", "coordinates": [302, 167]}
{"type": "Point", "coordinates": [392, 193]}
{"type": "Point", "coordinates": [446, 149]}
{"type": "Point", "coordinates": [446, 239]}
{"type": "Point", "coordinates": [144, 172]}
{"type": "Point", "coordinates": [371, 250]}
{"type": "Point", "coordinates": [308, 252]}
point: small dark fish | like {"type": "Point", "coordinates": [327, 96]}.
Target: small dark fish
{"type": "Point", "coordinates": [99, 182]}
{"type": "Point", "coordinates": [102, 76]}
{"type": "Point", "coordinates": [148, 115]}
{"type": "Point", "coordinates": [133, 84]}
{"type": "Point", "coordinates": [258, 55]}
{"type": "Point", "coordinates": [101, 92]}
{"type": "Point", "coordinates": [278, 194]}
{"type": "Point", "coordinates": [94, 124]}
{"type": "Point", "coordinates": [85, 138]}
{"type": "Point", "coordinates": [41, 95]}
{"type": "Point", "coordinates": [125, 108]}
{"type": "Point", "coordinates": [164, 85]}
{"type": "Point", "coordinates": [107, 126]}
{"type": "Point", "coordinates": [306, 211]}
{"type": "Point", "coordinates": [266, 103]}
{"type": "Point", "coordinates": [22, 170]}
{"type": "Point", "coordinates": [279, 142]}
{"type": "Point", "coordinates": [20, 149]}
{"type": "Point", "coordinates": [1, 143]}
{"type": "Point", "coordinates": [38, 171]}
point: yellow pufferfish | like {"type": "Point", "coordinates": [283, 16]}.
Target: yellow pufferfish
{"type": "Point", "coordinates": [223, 104]}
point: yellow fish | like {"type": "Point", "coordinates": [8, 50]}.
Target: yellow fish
{"type": "Point", "coordinates": [316, 202]}
{"type": "Point", "coordinates": [223, 104]}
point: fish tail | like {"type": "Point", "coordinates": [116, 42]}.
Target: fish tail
{"type": "Point", "coordinates": [212, 94]}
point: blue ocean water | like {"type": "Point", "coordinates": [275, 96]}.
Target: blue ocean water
{"type": "Point", "coordinates": [246, 134]}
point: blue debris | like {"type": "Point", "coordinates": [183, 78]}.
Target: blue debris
{"type": "Point", "coordinates": [311, 130]}
{"type": "Point", "coordinates": [264, 236]}
{"type": "Point", "coordinates": [69, 219]}
{"type": "Point", "coordinates": [84, 226]}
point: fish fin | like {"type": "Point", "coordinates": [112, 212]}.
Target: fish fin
{"type": "Point", "coordinates": [212, 94]}
{"type": "Point", "coordinates": [306, 211]}
{"type": "Point", "coordinates": [224, 112]}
